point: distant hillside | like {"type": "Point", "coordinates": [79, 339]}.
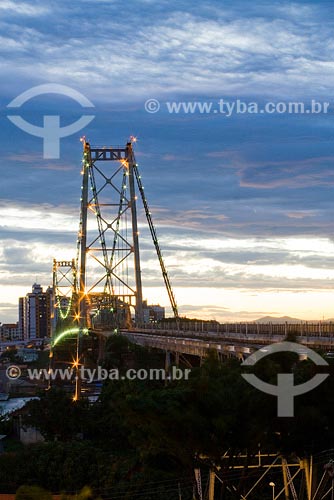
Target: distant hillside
{"type": "Point", "coordinates": [282, 319]}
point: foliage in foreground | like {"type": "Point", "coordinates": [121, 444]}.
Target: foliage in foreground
{"type": "Point", "coordinates": [32, 493]}
{"type": "Point", "coordinates": [142, 433]}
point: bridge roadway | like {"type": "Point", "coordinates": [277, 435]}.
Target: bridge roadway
{"type": "Point", "coordinates": [228, 344]}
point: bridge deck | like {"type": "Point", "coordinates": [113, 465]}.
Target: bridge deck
{"type": "Point", "coordinates": [228, 344]}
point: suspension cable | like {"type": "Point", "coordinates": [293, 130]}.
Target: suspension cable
{"type": "Point", "coordinates": [156, 243]}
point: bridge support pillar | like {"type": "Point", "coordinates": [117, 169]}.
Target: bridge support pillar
{"type": "Point", "coordinates": [167, 364]}
{"type": "Point", "coordinates": [102, 348]}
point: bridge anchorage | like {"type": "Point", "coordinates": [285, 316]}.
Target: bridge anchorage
{"type": "Point", "coordinates": [102, 288]}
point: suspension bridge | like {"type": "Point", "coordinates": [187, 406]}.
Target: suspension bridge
{"type": "Point", "coordinates": [99, 292]}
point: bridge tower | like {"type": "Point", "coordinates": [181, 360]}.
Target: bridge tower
{"type": "Point", "coordinates": [63, 307]}
{"type": "Point", "coordinates": [107, 279]}
{"type": "Point", "coordinates": [108, 255]}
{"type": "Point", "coordinates": [108, 258]}
{"type": "Point", "coordinates": [64, 289]}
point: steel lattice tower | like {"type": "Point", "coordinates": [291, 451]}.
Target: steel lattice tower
{"type": "Point", "coordinates": [108, 257]}
{"type": "Point", "coordinates": [64, 288]}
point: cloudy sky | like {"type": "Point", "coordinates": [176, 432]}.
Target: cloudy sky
{"type": "Point", "coordinates": [243, 204]}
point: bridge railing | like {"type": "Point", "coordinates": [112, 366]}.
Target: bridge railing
{"type": "Point", "coordinates": [305, 329]}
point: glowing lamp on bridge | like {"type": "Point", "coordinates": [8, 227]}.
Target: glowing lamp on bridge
{"type": "Point", "coordinates": [75, 363]}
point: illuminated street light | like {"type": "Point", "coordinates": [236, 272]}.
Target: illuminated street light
{"type": "Point", "coordinates": [273, 487]}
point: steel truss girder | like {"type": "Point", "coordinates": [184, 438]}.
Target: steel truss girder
{"type": "Point", "coordinates": [264, 462]}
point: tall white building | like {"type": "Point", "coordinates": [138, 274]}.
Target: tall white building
{"type": "Point", "coordinates": [35, 313]}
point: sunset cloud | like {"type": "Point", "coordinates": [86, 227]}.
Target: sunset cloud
{"type": "Point", "coordinates": [243, 204]}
